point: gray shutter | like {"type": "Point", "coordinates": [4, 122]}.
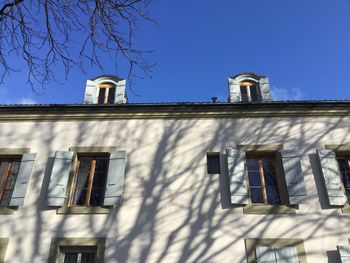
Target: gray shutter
{"type": "Point", "coordinates": [90, 96]}
{"type": "Point", "coordinates": [265, 254]}
{"type": "Point", "coordinates": [344, 253]}
{"type": "Point", "coordinates": [59, 178]}
{"type": "Point", "coordinates": [236, 172]}
{"type": "Point", "coordinates": [22, 181]}
{"type": "Point", "coordinates": [115, 178]}
{"type": "Point", "coordinates": [120, 96]}
{"type": "Point", "coordinates": [331, 175]}
{"type": "Point", "coordinates": [287, 254]}
{"type": "Point", "coordinates": [234, 90]}
{"type": "Point", "coordinates": [265, 92]}
{"type": "Point", "coordinates": [296, 189]}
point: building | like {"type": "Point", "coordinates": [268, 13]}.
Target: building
{"type": "Point", "coordinates": [248, 180]}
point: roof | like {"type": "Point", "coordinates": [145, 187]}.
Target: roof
{"type": "Point", "coordinates": [61, 112]}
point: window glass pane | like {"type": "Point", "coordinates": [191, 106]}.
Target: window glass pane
{"type": "Point", "coordinates": [252, 165]}
{"type": "Point", "coordinates": [254, 178]}
{"type": "Point", "coordinates": [10, 184]}
{"type": "Point", "coordinates": [271, 182]}
{"type": "Point", "coordinates": [244, 93]}
{"type": "Point", "coordinates": [345, 172]}
{"type": "Point", "coordinates": [256, 195]}
{"type": "Point", "coordinates": [70, 257]}
{"type": "Point", "coordinates": [111, 95]}
{"type": "Point", "coordinates": [99, 182]}
{"type": "Point", "coordinates": [3, 166]}
{"type": "Point", "coordinates": [88, 258]}
{"type": "Point", "coordinates": [101, 96]}
{"type": "Point", "coordinates": [213, 163]}
{"type": "Point", "coordinates": [254, 93]}
{"type": "Point", "coordinates": [82, 182]}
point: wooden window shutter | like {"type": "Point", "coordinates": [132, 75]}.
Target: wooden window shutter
{"type": "Point", "coordinates": [22, 181]}
{"type": "Point", "coordinates": [59, 178]}
{"type": "Point", "coordinates": [265, 254]}
{"type": "Point", "coordinates": [331, 175]}
{"type": "Point", "coordinates": [234, 90]}
{"type": "Point", "coordinates": [120, 96]}
{"type": "Point", "coordinates": [91, 90]}
{"type": "Point", "coordinates": [265, 90]}
{"type": "Point", "coordinates": [344, 253]}
{"type": "Point", "coordinates": [294, 177]}
{"type": "Point", "coordinates": [236, 172]}
{"type": "Point", "coordinates": [287, 254]}
{"type": "Point", "coordinates": [115, 178]}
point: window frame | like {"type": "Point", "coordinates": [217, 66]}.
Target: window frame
{"type": "Point", "coordinates": [4, 182]}
{"type": "Point", "coordinates": [345, 157]}
{"type": "Point", "coordinates": [252, 243]}
{"type": "Point", "coordinates": [248, 84]}
{"type": "Point", "coordinates": [107, 86]}
{"type": "Point", "coordinates": [73, 181]}
{"type": "Point", "coordinates": [56, 243]}
{"type": "Point", "coordinates": [268, 151]}
{"type": "Point", "coordinates": [65, 209]}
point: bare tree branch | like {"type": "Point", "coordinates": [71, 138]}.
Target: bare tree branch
{"type": "Point", "coordinates": [48, 34]}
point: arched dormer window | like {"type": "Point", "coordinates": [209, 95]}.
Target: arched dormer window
{"type": "Point", "coordinates": [249, 87]}
{"type": "Point", "coordinates": [105, 89]}
{"type": "Point", "coordinates": [250, 91]}
{"type": "Point", "coordinates": [106, 93]}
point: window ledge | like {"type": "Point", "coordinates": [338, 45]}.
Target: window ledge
{"type": "Point", "coordinates": [268, 209]}
{"type": "Point", "coordinates": [83, 210]}
{"type": "Point", "coordinates": [7, 210]}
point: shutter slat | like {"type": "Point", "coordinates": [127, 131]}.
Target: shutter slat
{"type": "Point", "coordinates": [234, 90]}
{"type": "Point", "coordinates": [115, 178]}
{"type": "Point", "coordinates": [236, 172]}
{"type": "Point", "coordinates": [344, 253]}
{"type": "Point", "coordinates": [59, 178]}
{"type": "Point", "coordinates": [331, 175]}
{"type": "Point", "coordinates": [294, 177]}
{"type": "Point", "coordinates": [265, 254]}
{"type": "Point", "coordinates": [287, 254]}
{"type": "Point", "coordinates": [264, 85]}
{"type": "Point", "coordinates": [120, 96]}
{"type": "Point", "coordinates": [22, 181]}
{"type": "Point", "coordinates": [90, 96]}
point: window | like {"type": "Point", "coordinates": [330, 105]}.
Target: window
{"type": "Point", "coordinates": [9, 168]}
{"type": "Point", "coordinates": [89, 181]}
{"type": "Point", "coordinates": [249, 91]}
{"type": "Point", "coordinates": [106, 94]}
{"type": "Point", "coordinates": [213, 163]}
{"type": "Point", "coordinates": [275, 250]}
{"type": "Point", "coordinates": [77, 250]}
{"type": "Point", "coordinates": [344, 167]}
{"type": "Point", "coordinates": [263, 186]}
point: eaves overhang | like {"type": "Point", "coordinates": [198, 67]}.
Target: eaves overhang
{"type": "Point", "coordinates": [58, 112]}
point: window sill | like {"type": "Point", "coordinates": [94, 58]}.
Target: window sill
{"type": "Point", "coordinates": [7, 210]}
{"type": "Point", "coordinates": [268, 209]}
{"type": "Point", "coordinates": [83, 210]}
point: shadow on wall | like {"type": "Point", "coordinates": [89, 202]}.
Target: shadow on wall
{"type": "Point", "coordinates": [183, 213]}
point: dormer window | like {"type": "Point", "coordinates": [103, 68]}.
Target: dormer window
{"type": "Point", "coordinates": [106, 93]}
{"type": "Point", "coordinates": [249, 91]}
{"type": "Point", "coordinates": [249, 87]}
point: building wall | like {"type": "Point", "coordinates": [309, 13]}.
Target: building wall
{"type": "Point", "coordinates": [173, 211]}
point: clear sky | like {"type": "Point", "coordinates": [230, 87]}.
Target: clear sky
{"type": "Point", "coordinates": [303, 46]}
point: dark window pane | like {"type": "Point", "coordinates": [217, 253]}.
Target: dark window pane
{"type": "Point", "coordinates": [213, 163]}
{"type": "Point", "coordinates": [345, 173]}
{"type": "Point", "coordinates": [244, 93]}
{"type": "Point", "coordinates": [254, 93]}
{"type": "Point", "coordinates": [99, 182]}
{"type": "Point", "coordinates": [252, 165]}
{"type": "Point", "coordinates": [273, 196]}
{"type": "Point", "coordinates": [82, 182]}
{"type": "Point", "coordinates": [254, 178]}
{"type": "Point", "coordinates": [3, 167]}
{"type": "Point", "coordinates": [70, 257]}
{"type": "Point", "coordinates": [101, 96]}
{"type": "Point", "coordinates": [111, 95]}
{"type": "Point", "coordinates": [88, 258]}
{"type": "Point", "coordinates": [256, 195]}
{"type": "Point", "coordinates": [10, 182]}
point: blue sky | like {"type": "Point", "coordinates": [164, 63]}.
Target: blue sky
{"type": "Point", "coordinates": [302, 46]}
